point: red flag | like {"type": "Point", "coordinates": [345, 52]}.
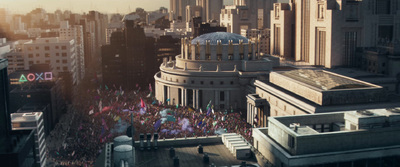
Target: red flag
{"type": "Point", "coordinates": [142, 103]}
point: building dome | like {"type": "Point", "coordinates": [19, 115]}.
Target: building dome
{"type": "Point", "coordinates": [225, 37]}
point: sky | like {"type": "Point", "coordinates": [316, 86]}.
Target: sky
{"type": "Point", "coordinates": [80, 6]}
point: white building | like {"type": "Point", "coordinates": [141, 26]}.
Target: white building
{"type": "Point", "coordinates": [216, 67]}
{"type": "Point", "coordinates": [33, 120]}
{"type": "Point", "coordinates": [75, 32]}
{"type": "Point", "coordinates": [235, 18]}
{"type": "Point", "coordinates": [262, 35]}
{"type": "Point", "coordinates": [361, 138]}
{"type": "Point", "coordinates": [60, 54]}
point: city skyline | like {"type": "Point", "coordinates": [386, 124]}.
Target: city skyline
{"type": "Point", "coordinates": [119, 6]}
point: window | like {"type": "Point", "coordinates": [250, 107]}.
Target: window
{"type": "Point", "coordinates": [30, 55]}
{"type": "Point", "coordinates": [184, 81]}
{"type": "Point", "coordinates": [177, 80]}
{"type": "Point", "coordinates": [46, 48]}
{"type": "Point", "coordinates": [57, 54]}
{"type": "Point", "coordinates": [192, 81]}
{"type": "Point", "coordinates": [58, 68]}
{"type": "Point", "coordinates": [64, 61]}
{"type": "Point", "coordinates": [291, 141]}
{"type": "Point", "coordinates": [37, 47]}
{"type": "Point", "coordinates": [47, 55]}
{"type": "Point", "coordinates": [37, 62]}
{"type": "Point", "coordinates": [37, 54]}
{"type": "Point", "coordinates": [64, 54]}
{"type": "Point", "coordinates": [231, 82]}
{"type": "Point", "coordinates": [221, 96]}
{"type": "Point", "coordinates": [47, 62]}
{"type": "Point", "coordinates": [64, 47]}
{"type": "Point", "coordinates": [201, 82]}
{"type": "Point", "coordinates": [221, 83]}
{"type": "Point", "coordinates": [65, 68]}
{"type": "Point", "coordinates": [211, 83]}
{"type": "Point", "coordinates": [57, 61]}
{"type": "Point", "coordinates": [30, 62]}
{"type": "Point", "coordinates": [57, 47]}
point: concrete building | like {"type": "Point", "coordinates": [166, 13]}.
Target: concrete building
{"type": "Point", "coordinates": [327, 33]}
{"type": "Point", "coordinates": [129, 59]}
{"type": "Point", "coordinates": [212, 68]}
{"type": "Point", "coordinates": [262, 35]}
{"type": "Point", "coordinates": [259, 8]}
{"type": "Point", "coordinates": [353, 138]}
{"type": "Point", "coordinates": [28, 121]}
{"type": "Point", "coordinates": [306, 91]}
{"type": "Point", "coordinates": [210, 9]}
{"type": "Point", "coordinates": [177, 9]}
{"type": "Point", "coordinates": [16, 148]}
{"type": "Point", "coordinates": [236, 18]}
{"type": "Point", "coordinates": [60, 54]}
{"type": "Point", "coordinates": [75, 32]}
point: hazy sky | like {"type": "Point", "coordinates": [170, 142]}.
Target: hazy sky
{"type": "Point", "coordinates": [80, 6]}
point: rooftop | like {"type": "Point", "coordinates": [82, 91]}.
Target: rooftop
{"type": "Point", "coordinates": [224, 37]}
{"type": "Point", "coordinates": [186, 151]}
{"type": "Point", "coordinates": [323, 80]}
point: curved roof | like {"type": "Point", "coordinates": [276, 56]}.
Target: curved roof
{"type": "Point", "coordinates": [225, 37]}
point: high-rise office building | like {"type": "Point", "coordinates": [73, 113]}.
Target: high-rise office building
{"type": "Point", "coordinates": [75, 32]}
{"type": "Point", "coordinates": [129, 56]}
{"type": "Point", "coordinates": [28, 121]}
{"type": "Point", "coordinates": [178, 9]}
{"type": "Point", "coordinates": [236, 18]}
{"type": "Point", "coordinates": [327, 33]}
{"type": "Point", "coordinates": [16, 148]}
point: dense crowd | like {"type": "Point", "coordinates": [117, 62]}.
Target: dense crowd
{"type": "Point", "coordinates": [104, 113]}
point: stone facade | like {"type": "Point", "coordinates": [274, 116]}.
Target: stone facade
{"type": "Point", "coordinates": [216, 67]}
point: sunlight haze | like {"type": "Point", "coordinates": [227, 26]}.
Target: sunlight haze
{"type": "Point", "coordinates": [108, 6]}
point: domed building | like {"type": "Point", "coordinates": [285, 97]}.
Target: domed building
{"type": "Point", "coordinates": [218, 67]}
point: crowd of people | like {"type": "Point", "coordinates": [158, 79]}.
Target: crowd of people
{"type": "Point", "coordinates": [103, 113]}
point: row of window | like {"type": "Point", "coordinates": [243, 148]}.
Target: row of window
{"type": "Point", "coordinates": [47, 55]}
{"type": "Point", "coordinates": [48, 48]}
{"type": "Point", "coordinates": [201, 82]}
{"type": "Point", "coordinates": [48, 62]}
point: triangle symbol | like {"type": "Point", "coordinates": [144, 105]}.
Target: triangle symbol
{"type": "Point", "coordinates": [22, 78]}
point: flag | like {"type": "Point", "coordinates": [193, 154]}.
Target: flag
{"type": "Point", "coordinates": [200, 123]}
{"type": "Point", "coordinates": [106, 87]}
{"type": "Point", "coordinates": [107, 108]}
{"type": "Point", "coordinates": [177, 106]}
{"type": "Point", "coordinates": [151, 90]}
{"type": "Point", "coordinates": [209, 105]}
{"type": "Point", "coordinates": [190, 109]}
{"type": "Point", "coordinates": [212, 111]}
{"type": "Point", "coordinates": [91, 112]}
{"type": "Point", "coordinates": [168, 100]}
{"type": "Point", "coordinates": [100, 106]}
{"type": "Point", "coordinates": [209, 111]}
{"type": "Point", "coordinates": [142, 103]}
{"type": "Point", "coordinates": [171, 118]}
{"type": "Point", "coordinates": [201, 112]}
{"type": "Point", "coordinates": [157, 125]}
{"type": "Point", "coordinates": [154, 102]}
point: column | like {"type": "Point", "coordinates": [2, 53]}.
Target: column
{"type": "Point", "coordinates": [197, 99]}
{"type": "Point", "coordinates": [185, 97]}
{"type": "Point", "coordinates": [194, 98]}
